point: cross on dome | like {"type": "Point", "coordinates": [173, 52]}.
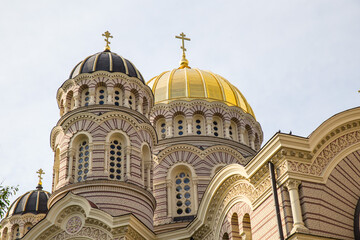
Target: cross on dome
{"type": "Point", "coordinates": [40, 172]}
{"type": "Point", "coordinates": [184, 62]}
{"type": "Point", "coordinates": [107, 35]}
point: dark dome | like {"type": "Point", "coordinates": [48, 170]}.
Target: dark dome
{"type": "Point", "coordinates": [31, 202]}
{"type": "Point", "coordinates": [106, 61]}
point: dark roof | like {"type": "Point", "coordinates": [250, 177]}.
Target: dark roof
{"type": "Point", "coordinates": [106, 61]}
{"type": "Point", "coordinates": [31, 202]}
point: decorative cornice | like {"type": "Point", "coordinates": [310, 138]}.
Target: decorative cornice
{"type": "Point", "coordinates": [346, 127]}
{"type": "Point", "coordinates": [200, 153]}
{"type": "Point", "coordinates": [323, 158]}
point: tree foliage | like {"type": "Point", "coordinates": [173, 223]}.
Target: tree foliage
{"type": "Point", "coordinates": [5, 193]}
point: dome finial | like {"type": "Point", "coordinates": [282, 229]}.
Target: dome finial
{"type": "Point", "coordinates": [40, 172]}
{"type": "Point", "coordinates": [184, 62]}
{"type": "Point", "coordinates": [107, 35]}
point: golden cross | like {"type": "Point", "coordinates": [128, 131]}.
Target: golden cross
{"type": "Point", "coordinates": [107, 35]}
{"type": "Point", "coordinates": [40, 172]}
{"type": "Point", "coordinates": [183, 37]}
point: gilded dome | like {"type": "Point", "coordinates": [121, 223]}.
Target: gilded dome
{"type": "Point", "coordinates": [106, 61]}
{"type": "Point", "coordinates": [191, 83]}
{"type": "Point", "coordinates": [31, 202]}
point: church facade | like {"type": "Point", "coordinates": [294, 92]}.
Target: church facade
{"type": "Point", "coordinates": [180, 157]}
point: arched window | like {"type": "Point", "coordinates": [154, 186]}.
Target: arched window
{"type": "Point", "coordinates": [217, 127]}
{"type": "Point", "coordinates": [118, 96]}
{"type": "Point", "coordinates": [246, 135]}
{"type": "Point", "coordinates": [16, 232]}
{"type": "Point", "coordinates": [161, 128]}
{"type": "Point", "coordinates": [27, 227]}
{"type": "Point", "coordinates": [247, 226]}
{"type": "Point", "coordinates": [225, 236]}
{"type": "Point", "coordinates": [70, 101]}
{"type": "Point", "coordinates": [132, 100]}
{"type": "Point", "coordinates": [82, 158]}
{"type": "Point", "coordinates": [199, 124]}
{"type": "Point", "coordinates": [233, 131]}
{"type": "Point", "coordinates": [146, 165]}
{"type": "Point", "coordinates": [183, 192]}
{"type": "Point", "coordinates": [235, 227]}
{"type": "Point", "coordinates": [62, 109]}
{"type": "Point", "coordinates": [101, 95]}
{"type": "Point", "coordinates": [116, 157]}
{"type": "Point", "coordinates": [5, 234]}
{"type": "Point", "coordinates": [145, 106]}
{"type": "Point", "coordinates": [85, 97]}
{"type": "Point", "coordinates": [257, 142]}
{"type": "Point", "coordinates": [56, 167]}
{"type": "Point", "coordinates": [180, 125]}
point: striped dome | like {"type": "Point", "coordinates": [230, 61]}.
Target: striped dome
{"type": "Point", "coordinates": [31, 202]}
{"type": "Point", "coordinates": [191, 83]}
{"type": "Point", "coordinates": [106, 61]}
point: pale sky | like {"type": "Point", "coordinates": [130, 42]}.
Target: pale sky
{"type": "Point", "coordinates": [296, 62]}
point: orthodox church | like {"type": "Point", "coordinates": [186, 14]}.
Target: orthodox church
{"type": "Point", "coordinates": [179, 157]}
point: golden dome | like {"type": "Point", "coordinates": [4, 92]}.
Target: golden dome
{"type": "Point", "coordinates": [191, 83]}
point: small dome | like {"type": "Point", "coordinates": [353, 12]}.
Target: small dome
{"type": "Point", "coordinates": [190, 83]}
{"type": "Point", "coordinates": [31, 202]}
{"type": "Point", "coordinates": [106, 61]}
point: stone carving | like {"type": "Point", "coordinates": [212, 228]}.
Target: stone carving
{"type": "Point", "coordinates": [317, 167]}
{"type": "Point", "coordinates": [92, 233]}
{"type": "Point", "coordinates": [73, 225]}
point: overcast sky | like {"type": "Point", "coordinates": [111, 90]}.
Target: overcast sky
{"type": "Point", "coordinates": [297, 62]}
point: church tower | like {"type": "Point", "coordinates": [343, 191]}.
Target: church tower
{"type": "Point", "coordinates": [103, 141]}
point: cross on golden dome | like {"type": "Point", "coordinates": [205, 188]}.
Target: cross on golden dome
{"type": "Point", "coordinates": [184, 62]}
{"type": "Point", "coordinates": [107, 35]}
{"type": "Point", "coordinates": [40, 172]}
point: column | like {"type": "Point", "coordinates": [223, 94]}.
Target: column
{"type": "Point", "coordinates": [252, 141]}
{"type": "Point", "coordinates": [208, 126]}
{"type": "Point", "coordinates": [92, 96]}
{"type": "Point", "coordinates": [189, 122]}
{"type": "Point", "coordinates": [126, 98]}
{"type": "Point", "coordinates": [148, 168]}
{"type": "Point", "coordinates": [140, 105]}
{"type": "Point", "coordinates": [69, 176]}
{"type": "Point", "coordinates": [169, 130]}
{"type": "Point", "coordinates": [170, 196]}
{"type": "Point", "coordinates": [110, 97]}
{"type": "Point", "coordinates": [128, 151]}
{"type": "Point", "coordinates": [77, 100]}
{"type": "Point", "coordinates": [227, 129]}
{"type": "Point", "coordinates": [293, 188]}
